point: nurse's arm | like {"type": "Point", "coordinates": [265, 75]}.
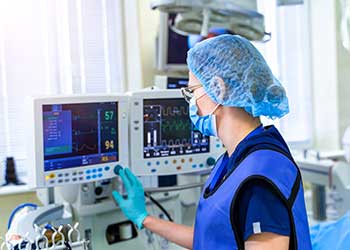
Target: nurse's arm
{"type": "Point", "coordinates": [178, 234]}
{"type": "Point", "coordinates": [267, 241]}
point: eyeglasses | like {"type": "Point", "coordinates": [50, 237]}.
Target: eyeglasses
{"type": "Point", "coordinates": [187, 92]}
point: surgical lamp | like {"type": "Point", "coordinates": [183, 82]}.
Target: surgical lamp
{"type": "Point", "coordinates": [198, 16]}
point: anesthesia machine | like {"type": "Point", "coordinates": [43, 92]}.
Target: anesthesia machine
{"type": "Point", "coordinates": [77, 144]}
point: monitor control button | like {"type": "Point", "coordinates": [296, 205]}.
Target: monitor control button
{"type": "Point", "coordinates": [116, 169]}
{"type": "Point", "coordinates": [210, 161]}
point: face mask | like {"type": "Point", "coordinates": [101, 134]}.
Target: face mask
{"type": "Point", "coordinates": [205, 124]}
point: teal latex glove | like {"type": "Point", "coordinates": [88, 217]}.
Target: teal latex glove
{"type": "Point", "coordinates": [134, 206]}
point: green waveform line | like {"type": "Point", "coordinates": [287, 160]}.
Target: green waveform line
{"type": "Point", "coordinates": [176, 125]}
{"type": "Point", "coordinates": [175, 111]}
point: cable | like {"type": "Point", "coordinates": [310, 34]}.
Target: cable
{"type": "Point", "coordinates": [174, 188]}
{"type": "Point", "coordinates": [159, 206]}
{"type": "Point", "coordinates": [19, 207]}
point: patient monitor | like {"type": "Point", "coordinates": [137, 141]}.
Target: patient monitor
{"type": "Point", "coordinates": [77, 139]}
{"type": "Point", "coordinates": [162, 137]}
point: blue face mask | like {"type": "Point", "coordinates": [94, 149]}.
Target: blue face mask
{"type": "Point", "coordinates": [205, 124]}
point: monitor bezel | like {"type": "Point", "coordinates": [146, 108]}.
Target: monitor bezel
{"type": "Point", "coordinates": [162, 47]}
{"type": "Point", "coordinates": [137, 160]}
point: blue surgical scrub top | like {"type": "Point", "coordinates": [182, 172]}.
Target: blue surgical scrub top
{"type": "Point", "coordinates": [258, 203]}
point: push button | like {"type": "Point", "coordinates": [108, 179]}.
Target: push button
{"type": "Point", "coordinates": [50, 176]}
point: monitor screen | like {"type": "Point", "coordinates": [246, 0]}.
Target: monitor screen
{"type": "Point", "coordinates": [80, 134]}
{"type": "Point", "coordinates": [177, 45]}
{"type": "Point", "coordinates": [168, 130]}
{"type": "Point", "coordinates": [177, 83]}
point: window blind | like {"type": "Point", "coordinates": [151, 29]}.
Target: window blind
{"type": "Point", "coordinates": [54, 47]}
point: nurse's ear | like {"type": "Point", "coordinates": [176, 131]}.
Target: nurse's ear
{"type": "Point", "coordinates": [219, 88]}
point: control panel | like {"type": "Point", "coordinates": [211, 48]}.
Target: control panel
{"type": "Point", "coordinates": [168, 82]}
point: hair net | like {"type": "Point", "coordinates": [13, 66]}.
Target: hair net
{"type": "Point", "coordinates": [234, 73]}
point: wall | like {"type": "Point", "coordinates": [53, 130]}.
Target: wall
{"type": "Point", "coordinates": [323, 43]}
{"type": "Point", "coordinates": [343, 71]}
{"type": "Point", "coordinates": [148, 20]}
{"type": "Point", "coordinates": [331, 75]}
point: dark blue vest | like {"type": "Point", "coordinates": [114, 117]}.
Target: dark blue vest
{"type": "Point", "coordinates": [263, 157]}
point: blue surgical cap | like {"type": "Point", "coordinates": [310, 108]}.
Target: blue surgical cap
{"type": "Point", "coordinates": [234, 73]}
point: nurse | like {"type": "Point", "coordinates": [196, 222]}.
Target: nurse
{"type": "Point", "coordinates": [253, 198]}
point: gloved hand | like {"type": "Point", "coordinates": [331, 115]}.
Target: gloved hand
{"type": "Point", "coordinates": [134, 206]}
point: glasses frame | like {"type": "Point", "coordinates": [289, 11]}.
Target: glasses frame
{"type": "Point", "coordinates": [187, 92]}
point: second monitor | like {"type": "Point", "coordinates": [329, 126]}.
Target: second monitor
{"type": "Point", "coordinates": [163, 138]}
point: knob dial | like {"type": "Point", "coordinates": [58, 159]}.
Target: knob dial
{"type": "Point", "coordinates": [211, 161]}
